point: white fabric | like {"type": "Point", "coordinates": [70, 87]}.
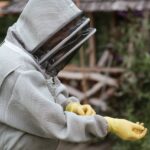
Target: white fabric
{"type": "Point", "coordinates": [58, 90]}
{"type": "Point", "coordinates": [15, 48]}
{"type": "Point", "coordinates": [40, 20]}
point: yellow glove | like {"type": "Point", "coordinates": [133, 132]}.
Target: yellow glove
{"type": "Point", "coordinates": [80, 109]}
{"type": "Point", "coordinates": [88, 110]}
{"type": "Point", "coordinates": [125, 129]}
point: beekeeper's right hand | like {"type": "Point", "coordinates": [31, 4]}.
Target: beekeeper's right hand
{"type": "Point", "coordinates": [84, 110]}
{"type": "Point", "coordinates": [125, 129]}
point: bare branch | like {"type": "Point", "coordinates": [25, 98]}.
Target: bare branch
{"type": "Point", "coordinates": [110, 70]}
{"type": "Point", "coordinates": [93, 90]}
{"type": "Point", "coordinates": [90, 76]}
{"type": "Point", "coordinates": [74, 92]}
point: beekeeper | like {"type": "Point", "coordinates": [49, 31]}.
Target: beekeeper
{"type": "Point", "coordinates": [32, 117]}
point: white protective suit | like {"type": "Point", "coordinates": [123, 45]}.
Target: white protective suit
{"type": "Point", "coordinates": [32, 116]}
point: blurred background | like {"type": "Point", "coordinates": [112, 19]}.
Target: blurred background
{"type": "Point", "coordinates": [111, 71]}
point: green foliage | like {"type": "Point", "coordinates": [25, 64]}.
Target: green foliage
{"type": "Point", "coordinates": [5, 22]}
{"type": "Point", "coordinates": [133, 100]}
{"type": "Point", "coordinates": [131, 41]}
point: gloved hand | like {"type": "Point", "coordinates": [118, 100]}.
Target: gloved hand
{"type": "Point", "coordinates": [80, 109]}
{"type": "Point", "coordinates": [125, 129]}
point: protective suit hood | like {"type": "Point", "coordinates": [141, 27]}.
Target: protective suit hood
{"type": "Point", "coordinates": [40, 20]}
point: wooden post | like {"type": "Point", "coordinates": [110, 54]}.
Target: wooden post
{"type": "Point", "coordinates": [77, 2]}
{"type": "Point", "coordinates": [84, 83]}
{"type": "Point", "coordinates": [2, 5]}
{"type": "Point", "coordinates": [145, 29]}
{"type": "Point", "coordinates": [92, 46]}
{"type": "Point", "coordinates": [113, 28]}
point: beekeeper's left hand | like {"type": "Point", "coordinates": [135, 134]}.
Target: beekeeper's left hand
{"type": "Point", "coordinates": [125, 129]}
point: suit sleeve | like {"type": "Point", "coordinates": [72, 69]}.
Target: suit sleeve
{"type": "Point", "coordinates": [32, 109]}
{"type": "Point", "coordinates": [60, 92]}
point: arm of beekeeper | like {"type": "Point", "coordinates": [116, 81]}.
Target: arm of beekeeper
{"type": "Point", "coordinates": [71, 104]}
{"type": "Point", "coordinates": [32, 108]}
{"type": "Point", "coordinates": [60, 93]}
